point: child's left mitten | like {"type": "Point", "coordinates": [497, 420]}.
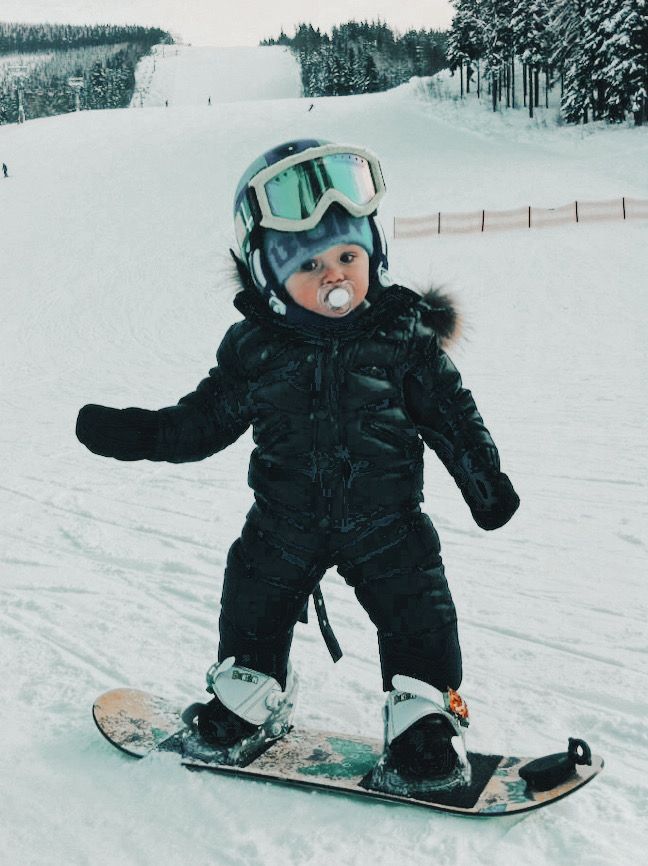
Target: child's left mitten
{"type": "Point", "coordinates": [505, 503]}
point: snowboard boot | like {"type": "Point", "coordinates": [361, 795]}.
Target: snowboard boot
{"type": "Point", "coordinates": [248, 712]}
{"type": "Point", "coordinates": [424, 747]}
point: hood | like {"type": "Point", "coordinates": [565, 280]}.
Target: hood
{"type": "Point", "coordinates": [440, 311]}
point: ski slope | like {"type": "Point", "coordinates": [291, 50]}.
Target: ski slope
{"type": "Point", "coordinates": [186, 75]}
{"type": "Point", "coordinates": [116, 288]}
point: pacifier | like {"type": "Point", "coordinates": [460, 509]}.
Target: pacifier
{"type": "Point", "coordinates": [338, 297]}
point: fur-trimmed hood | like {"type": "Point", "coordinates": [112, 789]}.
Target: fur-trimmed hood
{"type": "Point", "coordinates": [440, 311]}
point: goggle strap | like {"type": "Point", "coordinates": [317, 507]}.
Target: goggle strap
{"type": "Point", "coordinates": [266, 174]}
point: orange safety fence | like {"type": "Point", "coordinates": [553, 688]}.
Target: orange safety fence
{"type": "Point", "coordinates": [522, 217]}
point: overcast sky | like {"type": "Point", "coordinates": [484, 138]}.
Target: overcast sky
{"type": "Point", "coordinates": [229, 22]}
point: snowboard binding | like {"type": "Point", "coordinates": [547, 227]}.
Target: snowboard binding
{"type": "Point", "coordinates": [552, 770]}
{"type": "Point", "coordinates": [424, 749]}
{"type": "Point", "coordinates": [248, 713]}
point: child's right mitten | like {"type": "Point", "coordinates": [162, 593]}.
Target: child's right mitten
{"type": "Point", "coordinates": [126, 434]}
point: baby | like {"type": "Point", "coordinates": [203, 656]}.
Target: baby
{"type": "Point", "coordinates": [342, 375]}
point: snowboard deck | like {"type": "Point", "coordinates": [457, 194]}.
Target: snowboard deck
{"type": "Point", "coordinates": [140, 723]}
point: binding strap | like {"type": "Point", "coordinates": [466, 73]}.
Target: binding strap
{"type": "Point", "coordinates": [325, 626]}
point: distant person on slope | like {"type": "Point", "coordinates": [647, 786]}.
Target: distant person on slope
{"type": "Point", "coordinates": [343, 377]}
{"type": "Point", "coordinates": [5, 170]}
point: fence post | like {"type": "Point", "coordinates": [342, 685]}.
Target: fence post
{"type": "Point", "coordinates": [576, 203]}
{"type": "Point", "coordinates": [529, 216]}
{"type": "Point", "coordinates": [623, 201]}
{"type": "Point", "coordinates": [439, 228]}
{"type": "Point", "coordinates": [483, 213]}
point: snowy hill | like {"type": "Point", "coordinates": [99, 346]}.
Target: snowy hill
{"type": "Point", "coordinates": [184, 75]}
{"type": "Point", "coordinates": [116, 289]}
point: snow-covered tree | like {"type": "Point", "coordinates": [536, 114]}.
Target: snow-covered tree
{"type": "Point", "coordinates": [466, 38]}
{"type": "Point", "coordinates": [530, 24]}
{"type": "Point", "coordinates": [618, 44]}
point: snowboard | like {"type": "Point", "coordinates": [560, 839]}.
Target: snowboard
{"type": "Point", "coordinates": [140, 724]}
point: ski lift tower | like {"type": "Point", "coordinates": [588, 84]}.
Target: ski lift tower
{"type": "Point", "coordinates": [19, 72]}
{"type": "Point", "coordinates": [77, 85]}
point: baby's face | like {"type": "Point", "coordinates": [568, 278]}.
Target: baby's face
{"type": "Point", "coordinates": [333, 283]}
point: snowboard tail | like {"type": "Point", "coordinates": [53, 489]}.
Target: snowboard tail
{"type": "Point", "coordinates": [139, 723]}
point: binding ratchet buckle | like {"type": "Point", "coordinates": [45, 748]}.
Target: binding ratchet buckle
{"type": "Point", "coordinates": [456, 705]}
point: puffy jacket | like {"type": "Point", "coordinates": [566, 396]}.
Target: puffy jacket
{"type": "Point", "coordinates": [339, 415]}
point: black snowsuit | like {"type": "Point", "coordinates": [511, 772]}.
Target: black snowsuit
{"type": "Point", "coordinates": [339, 417]}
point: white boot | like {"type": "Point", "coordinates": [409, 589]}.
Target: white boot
{"type": "Point", "coordinates": [249, 711]}
{"type": "Point", "coordinates": [424, 740]}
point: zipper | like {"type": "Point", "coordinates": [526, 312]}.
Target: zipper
{"type": "Point", "coordinates": [337, 379]}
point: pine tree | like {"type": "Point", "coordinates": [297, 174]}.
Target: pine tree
{"type": "Point", "coordinates": [531, 26]}
{"type": "Point", "coordinates": [371, 74]}
{"type": "Point", "coordinates": [467, 37]}
{"type": "Point", "coordinates": [619, 43]}
{"type": "Point", "coordinates": [571, 55]}
{"type": "Point", "coordinates": [638, 75]}
{"type": "Point", "coordinates": [494, 19]}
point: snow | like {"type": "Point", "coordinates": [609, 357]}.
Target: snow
{"type": "Point", "coordinates": [116, 289]}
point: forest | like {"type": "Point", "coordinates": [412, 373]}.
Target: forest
{"type": "Point", "coordinates": [512, 52]}
{"type": "Point", "coordinates": [362, 57]}
{"type": "Point", "coordinates": [596, 51]}
{"type": "Point", "coordinates": [38, 62]}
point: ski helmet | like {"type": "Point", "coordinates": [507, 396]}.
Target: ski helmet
{"type": "Point", "coordinates": [290, 187]}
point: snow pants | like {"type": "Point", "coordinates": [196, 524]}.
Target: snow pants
{"type": "Point", "coordinates": [392, 562]}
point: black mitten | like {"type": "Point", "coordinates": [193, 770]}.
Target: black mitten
{"type": "Point", "coordinates": [126, 434]}
{"type": "Point", "coordinates": [505, 504]}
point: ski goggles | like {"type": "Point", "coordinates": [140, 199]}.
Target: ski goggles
{"type": "Point", "coordinates": [293, 194]}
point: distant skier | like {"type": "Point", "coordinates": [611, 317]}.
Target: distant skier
{"type": "Point", "coordinates": [209, 100]}
{"type": "Point", "coordinates": [343, 377]}
{"type": "Point", "coordinates": [5, 170]}
{"type": "Point", "coordinates": [166, 103]}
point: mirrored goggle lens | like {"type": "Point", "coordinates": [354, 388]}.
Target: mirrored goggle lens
{"type": "Point", "coordinates": [296, 191]}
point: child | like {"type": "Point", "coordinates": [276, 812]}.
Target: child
{"type": "Point", "coordinates": [341, 375]}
